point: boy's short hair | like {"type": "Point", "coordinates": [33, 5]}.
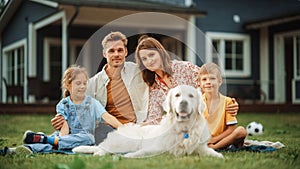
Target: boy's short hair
{"type": "Point", "coordinates": [114, 36]}
{"type": "Point", "coordinates": [210, 68]}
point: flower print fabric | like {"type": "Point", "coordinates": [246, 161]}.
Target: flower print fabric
{"type": "Point", "coordinates": [183, 72]}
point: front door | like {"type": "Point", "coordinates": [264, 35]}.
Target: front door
{"type": "Point", "coordinates": [287, 67]}
{"type": "Point", "coordinates": [288, 58]}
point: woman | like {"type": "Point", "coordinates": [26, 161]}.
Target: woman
{"type": "Point", "coordinates": [161, 74]}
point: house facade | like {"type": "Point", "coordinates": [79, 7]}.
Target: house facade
{"type": "Point", "coordinates": [269, 34]}
{"type": "Point", "coordinates": [257, 47]}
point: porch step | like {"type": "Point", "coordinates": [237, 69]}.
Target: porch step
{"type": "Point", "coordinates": [50, 108]}
{"type": "Point", "coordinates": [270, 108]}
{"type": "Point", "coordinates": [27, 108]}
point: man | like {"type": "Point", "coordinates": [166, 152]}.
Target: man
{"type": "Point", "coordinates": [119, 86]}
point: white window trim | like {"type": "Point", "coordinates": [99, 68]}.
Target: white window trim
{"type": "Point", "coordinates": [47, 43]}
{"type": "Point", "coordinates": [210, 36]}
{"type": "Point", "coordinates": [73, 44]}
{"type": "Point", "coordinates": [56, 41]}
{"type": "Point", "coordinates": [8, 48]}
{"type": "Point", "coordinates": [296, 78]}
{"type": "Point", "coordinates": [32, 31]}
{"type": "Point", "coordinates": [294, 81]}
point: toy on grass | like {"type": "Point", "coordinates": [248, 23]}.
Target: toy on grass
{"type": "Point", "coordinates": [255, 129]}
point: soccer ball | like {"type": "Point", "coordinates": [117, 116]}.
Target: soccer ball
{"type": "Point", "coordinates": [254, 129]}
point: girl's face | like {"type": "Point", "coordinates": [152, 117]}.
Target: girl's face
{"type": "Point", "coordinates": [78, 86]}
{"type": "Point", "coordinates": [151, 59]}
{"type": "Point", "coordinates": [210, 83]}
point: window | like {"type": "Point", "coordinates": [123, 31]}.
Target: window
{"type": "Point", "coordinates": [230, 51]}
{"type": "Point", "coordinates": [53, 62]}
{"type": "Point", "coordinates": [296, 67]}
{"type": "Point", "coordinates": [297, 57]}
{"type": "Point", "coordinates": [14, 71]}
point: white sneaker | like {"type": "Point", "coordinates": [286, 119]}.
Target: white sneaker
{"type": "Point", "coordinates": [22, 150]}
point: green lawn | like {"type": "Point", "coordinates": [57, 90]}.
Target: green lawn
{"type": "Point", "coordinates": [283, 127]}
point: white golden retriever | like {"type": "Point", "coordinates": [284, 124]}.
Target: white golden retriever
{"type": "Point", "coordinates": [182, 131]}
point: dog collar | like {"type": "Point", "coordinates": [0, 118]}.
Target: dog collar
{"type": "Point", "coordinates": [186, 135]}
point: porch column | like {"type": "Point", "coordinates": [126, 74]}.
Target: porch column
{"type": "Point", "coordinates": [64, 61]}
{"type": "Point", "coordinates": [264, 61]}
{"type": "Point", "coordinates": [31, 50]}
{"type": "Point", "coordinates": [32, 45]}
{"type": "Point", "coordinates": [191, 40]}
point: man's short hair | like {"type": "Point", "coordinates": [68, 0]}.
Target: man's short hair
{"type": "Point", "coordinates": [114, 36]}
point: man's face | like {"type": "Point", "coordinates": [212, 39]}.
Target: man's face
{"type": "Point", "coordinates": [115, 52]}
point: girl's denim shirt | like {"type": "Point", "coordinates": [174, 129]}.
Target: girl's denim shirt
{"type": "Point", "coordinates": [81, 117]}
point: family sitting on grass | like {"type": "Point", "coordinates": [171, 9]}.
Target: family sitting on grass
{"type": "Point", "coordinates": [125, 92]}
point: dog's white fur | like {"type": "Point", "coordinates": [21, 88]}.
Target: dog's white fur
{"type": "Point", "coordinates": [182, 131]}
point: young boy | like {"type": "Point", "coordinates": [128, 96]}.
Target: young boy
{"type": "Point", "coordinates": [222, 124]}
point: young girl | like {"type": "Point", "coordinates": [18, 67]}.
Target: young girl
{"type": "Point", "coordinates": [81, 113]}
{"type": "Point", "coordinates": [221, 123]}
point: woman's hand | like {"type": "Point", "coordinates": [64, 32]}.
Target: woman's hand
{"type": "Point", "coordinates": [57, 122]}
{"type": "Point", "coordinates": [233, 108]}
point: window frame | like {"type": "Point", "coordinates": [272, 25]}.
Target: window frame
{"type": "Point", "coordinates": [50, 41]}
{"type": "Point", "coordinates": [222, 37]}
{"type": "Point", "coordinates": [6, 53]}
{"type": "Point", "coordinates": [296, 59]}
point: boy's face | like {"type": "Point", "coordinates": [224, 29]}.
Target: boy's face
{"type": "Point", "coordinates": [210, 83]}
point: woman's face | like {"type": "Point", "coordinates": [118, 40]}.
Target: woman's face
{"type": "Point", "coordinates": [151, 59]}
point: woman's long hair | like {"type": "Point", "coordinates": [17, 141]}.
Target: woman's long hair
{"type": "Point", "coordinates": [150, 43]}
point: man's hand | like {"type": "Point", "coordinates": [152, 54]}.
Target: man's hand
{"type": "Point", "coordinates": [233, 108]}
{"type": "Point", "coordinates": [57, 122]}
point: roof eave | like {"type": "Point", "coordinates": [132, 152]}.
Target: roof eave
{"type": "Point", "coordinates": [271, 22]}
{"type": "Point", "coordinates": [8, 12]}
{"type": "Point", "coordinates": [136, 7]}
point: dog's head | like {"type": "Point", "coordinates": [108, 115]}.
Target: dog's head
{"type": "Point", "coordinates": [183, 101]}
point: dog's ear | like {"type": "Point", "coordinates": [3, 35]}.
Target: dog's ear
{"type": "Point", "coordinates": [166, 105]}
{"type": "Point", "coordinates": [201, 104]}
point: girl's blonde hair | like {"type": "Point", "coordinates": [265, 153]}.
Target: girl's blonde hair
{"type": "Point", "coordinates": [69, 76]}
{"type": "Point", "coordinates": [150, 43]}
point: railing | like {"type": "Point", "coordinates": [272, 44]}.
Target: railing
{"type": "Point", "coordinates": [37, 89]}
{"type": "Point", "coordinates": [14, 93]}
{"type": "Point", "coordinates": [247, 91]}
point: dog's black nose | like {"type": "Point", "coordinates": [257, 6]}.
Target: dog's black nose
{"type": "Point", "coordinates": [183, 103]}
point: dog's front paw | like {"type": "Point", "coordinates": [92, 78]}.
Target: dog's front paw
{"type": "Point", "coordinates": [100, 153]}
{"type": "Point", "coordinates": [219, 155]}
{"type": "Point", "coordinates": [131, 155]}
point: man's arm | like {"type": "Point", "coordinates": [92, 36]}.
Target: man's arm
{"type": "Point", "coordinates": [57, 122]}
{"type": "Point", "coordinates": [112, 120]}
